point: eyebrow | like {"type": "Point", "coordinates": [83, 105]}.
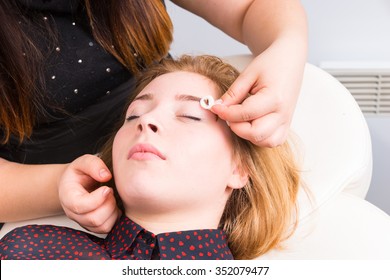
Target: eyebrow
{"type": "Point", "coordinates": [187, 97]}
{"type": "Point", "coordinates": [180, 97]}
{"type": "Point", "coordinates": [146, 96]}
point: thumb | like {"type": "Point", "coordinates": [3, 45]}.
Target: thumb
{"type": "Point", "coordinates": [94, 167]}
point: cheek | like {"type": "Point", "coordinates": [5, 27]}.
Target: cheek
{"type": "Point", "coordinates": [116, 145]}
{"type": "Point", "coordinates": [211, 141]}
{"type": "Point", "coordinates": [120, 147]}
{"type": "Point", "coordinates": [206, 155]}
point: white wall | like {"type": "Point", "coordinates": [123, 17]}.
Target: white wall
{"type": "Point", "coordinates": [194, 35]}
{"type": "Point", "coordinates": [348, 29]}
{"type": "Point", "coordinates": [338, 30]}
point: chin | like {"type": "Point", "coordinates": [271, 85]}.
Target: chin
{"type": "Point", "coordinates": [140, 189]}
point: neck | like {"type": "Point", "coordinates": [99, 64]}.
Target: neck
{"type": "Point", "coordinates": [178, 220]}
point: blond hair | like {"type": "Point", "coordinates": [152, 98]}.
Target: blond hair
{"type": "Point", "coordinates": [258, 216]}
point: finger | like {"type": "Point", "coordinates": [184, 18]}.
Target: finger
{"type": "Point", "coordinates": [89, 202]}
{"type": "Point", "coordinates": [240, 88]}
{"type": "Point", "coordinates": [107, 225]}
{"type": "Point", "coordinates": [82, 176]}
{"type": "Point", "coordinates": [277, 138]}
{"type": "Point", "coordinates": [254, 107]}
{"type": "Point", "coordinates": [93, 166]}
{"type": "Point", "coordinates": [102, 219]}
{"type": "Point", "coordinates": [258, 130]}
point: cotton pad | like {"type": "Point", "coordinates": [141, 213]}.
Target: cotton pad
{"type": "Point", "coordinates": [207, 102]}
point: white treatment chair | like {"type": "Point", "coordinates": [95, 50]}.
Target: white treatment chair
{"type": "Point", "coordinates": [335, 148]}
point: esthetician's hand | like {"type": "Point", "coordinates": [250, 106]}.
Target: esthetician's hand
{"type": "Point", "coordinates": [259, 106]}
{"type": "Point", "coordinates": [93, 207]}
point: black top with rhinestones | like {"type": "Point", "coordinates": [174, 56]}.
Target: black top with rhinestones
{"type": "Point", "coordinates": [78, 70]}
{"type": "Point", "coordinates": [127, 240]}
{"type": "Point", "coordinates": [81, 78]}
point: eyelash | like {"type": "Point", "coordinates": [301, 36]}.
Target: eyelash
{"type": "Point", "coordinates": [130, 118]}
{"type": "Point", "coordinates": [191, 117]}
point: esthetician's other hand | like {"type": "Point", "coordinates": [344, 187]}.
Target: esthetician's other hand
{"type": "Point", "coordinates": [93, 207]}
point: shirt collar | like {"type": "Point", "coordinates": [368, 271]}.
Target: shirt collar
{"type": "Point", "coordinates": [129, 240]}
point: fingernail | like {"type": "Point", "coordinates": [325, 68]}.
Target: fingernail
{"type": "Point", "coordinates": [218, 102]}
{"type": "Point", "coordinates": [103, 173]}
{"type": "Point", "coordinates": [228, 123]}
{"type": "Point", "coordinates": [106, 191]}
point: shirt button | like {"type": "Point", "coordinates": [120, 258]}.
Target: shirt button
{"type": "Point", "coordinates": [149, 240]}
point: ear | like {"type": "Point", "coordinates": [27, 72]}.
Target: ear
{"type": "Point", "coordinates": [239, 178]}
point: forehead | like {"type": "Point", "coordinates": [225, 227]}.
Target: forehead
{"type": "Point", "coordinates": [181, 82]}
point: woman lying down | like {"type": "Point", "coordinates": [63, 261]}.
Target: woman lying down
{"type": "Point", "coordinates": [187, 186]}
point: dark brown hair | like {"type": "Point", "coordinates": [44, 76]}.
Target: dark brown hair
{"type": "Point", "coordinates": [123, 28]}
{"type": "Point", "coordinates": [19, 94]}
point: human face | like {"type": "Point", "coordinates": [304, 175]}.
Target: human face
{"type": "Point", "coordinates": [171, 154]}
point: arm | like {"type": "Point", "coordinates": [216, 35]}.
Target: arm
{"type": "Point", "coordinates": [276, 33]}
{"type": "Point", "coordinates": [36, 191]}
{"type": "Point", "coordinates": [28, 191]}
{"type": "Point", "coordinates": [256, 23]}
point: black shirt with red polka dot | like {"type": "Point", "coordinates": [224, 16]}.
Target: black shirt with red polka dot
{"type": "Point", "coordinates": [127, 240]}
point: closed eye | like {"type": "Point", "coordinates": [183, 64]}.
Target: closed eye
{"type": "Point", "coordinates": [191, 117]}
{"type": "Point", "coordinates": [130, 118]}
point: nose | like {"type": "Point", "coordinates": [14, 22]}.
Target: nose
{"type": "Point", "coordinates": [147, 125]}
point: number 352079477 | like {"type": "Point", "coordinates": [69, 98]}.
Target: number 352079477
{"type": "Point", "coordinates": [241, 270]}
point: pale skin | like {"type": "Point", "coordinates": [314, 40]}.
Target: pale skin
{"type": "Point", "coordinates": [276, 33]}
{"type": "Point", "coordinates": [172, 159]}
{"type": "Point", "coordinates": [161, 192]}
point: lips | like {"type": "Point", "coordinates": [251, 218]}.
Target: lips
{"type": "Point", "coordinates": [145, 152]}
